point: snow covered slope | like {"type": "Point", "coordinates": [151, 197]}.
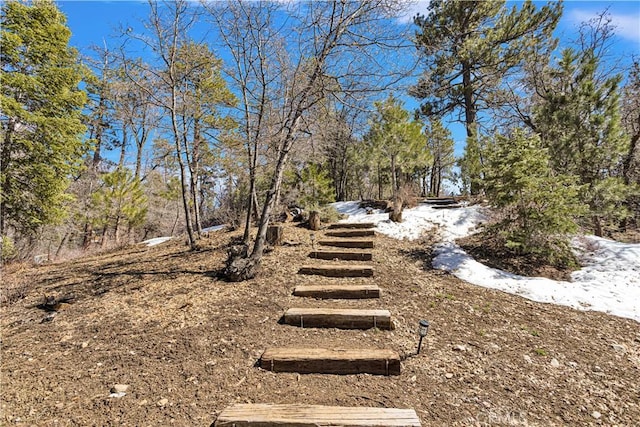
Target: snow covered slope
{"type": "Point", "coordinates": [608, 282]}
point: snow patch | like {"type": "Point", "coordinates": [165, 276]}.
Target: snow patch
{"type": "Point", "coordinates": [608, 282]}
{"type": "Point", "coordinates": [156, 241]}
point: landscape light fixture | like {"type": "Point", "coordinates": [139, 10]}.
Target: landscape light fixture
{"type": "Point", "coordinates": [423, 328]}
{"type": "Point", "coordinates": [313, 240]}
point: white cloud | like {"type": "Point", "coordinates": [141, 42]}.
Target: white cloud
{"type": "Point", "coordinates": [626, 26]}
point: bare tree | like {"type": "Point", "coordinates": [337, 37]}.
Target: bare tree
{"type": "Point", "coordinates": [169, 23]}
{"type": "Point", "coordinates": [333, 49]}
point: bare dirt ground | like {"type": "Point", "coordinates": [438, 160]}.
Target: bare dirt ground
{"type": "Point", "coordinates": [186, 343]}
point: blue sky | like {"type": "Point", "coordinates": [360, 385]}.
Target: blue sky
{"type": "Point", "coordinates": [93, 22]}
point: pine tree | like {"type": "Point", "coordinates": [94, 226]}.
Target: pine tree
{"type": "Point", "coordinates": [440, 145]}
{"type": "Point", "coordinates": [539, 206]}
{"type": "Point", "coordinates": [469, 48]}
{"type": "Point", "coordinates": [397, 138]}
{"type": "Point", "coordinates": [120, 202]}
{"type": "Point", "coordinates": [578, 118]}
{"type": "Point", "coordinates": [41, 115]}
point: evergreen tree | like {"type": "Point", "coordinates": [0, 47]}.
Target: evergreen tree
{"type": "Point", "coordinates": [398, 138]}
{"type": "Point", "coordinates": [119, 202]}
{"type": "Point", "coordinates": [440, 146]}
{"type": "Point", "coordinates": [539, 207]}
{"type": "Point", "coordinates": [41, 115]}
{"type": "Point", "coordinates": [314, 185]}
{"type": "Point", "coordinates": [578, 118]}
{"type": "Point", "coordinates": [469, 48]}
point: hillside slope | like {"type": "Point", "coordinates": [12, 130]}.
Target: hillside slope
{"type": "Point", "coordinates": [160, 321]}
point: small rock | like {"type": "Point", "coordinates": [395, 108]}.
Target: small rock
{"type": "Point", "coordinates": [555, 363]}
{"type": "Point", "coordinates": [620, 348]}
{"type": "Point", "coordinates": [85, 344]}
{"type": "Point", "coordinates": [143, 402]}
{"type": "Point", "coordinates": [459, 347]}
{"type": "Point", "coordinates": [573, 364]}
{"type": "Point", "coordinates": [527, 358]}
{"type": "Point", "coordinates": [413, 379]}
{"type": "Point", "coordinates": [162, 402]}
{"type": "Point", "coordinates": [118, 395]}
{"type": "Point", "coordinates": [119, 388]}
{"type": "Point", "coordinates": [448, 375]}
{"type": "Point", "coordinates": [486, 404]}
{"type": "Point", "coordinates": [596, 414]}
{"type": "Point", "coordinates": [49, 317]}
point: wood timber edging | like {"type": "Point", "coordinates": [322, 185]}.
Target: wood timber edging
{"type": "Point", "coordinates": [337, 270]}
{"type": "Point", "coordinates": [348, 243]}
{"type": "Point", "coordinates": [331, 361]}
{"type": "Point", "coordinates": [342, 255]}
{"type": "Point", "coordinates": [270, 415]}
{"type": "Point", "coordinates": [337, 291]}
{"type": "Point", "coordinates": [362, 225]}
{"type": "Point", "coordinates": [342, 318]}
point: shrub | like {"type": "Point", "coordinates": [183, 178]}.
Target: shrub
{"type": "Point", "coordinates": [8, 250]}
{"type": "Point", "coordinates": [538, 207]}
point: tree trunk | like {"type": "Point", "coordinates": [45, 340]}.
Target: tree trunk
{"type": "Point", "coordinates": [274, 235]}
{"type": "Point", "coordinates": [183, 174]}
{"type": "Point", "coordinates": [61, 245]}
{"type": "Point", "coordinates": [597, 226]}
{"type": "Point", "coordinates": [394, 178]}
{"type": "Point", "coordinates": [5, 159]}
{"type": "Point", "coordinates": [314, 220]}
{"type": "Point", "coordinates": [379, 182]}
{"type": "Point", "coordinates": [123, 148]}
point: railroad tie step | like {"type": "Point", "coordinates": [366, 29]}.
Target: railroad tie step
{"type": "Point", "coordinates": [350, 233]}
{"type": "Point", "coordinates": [348, 243]}
{"type": "Point", "coordinates": [356, 255]}
{"type": "Point", "coordinates": [337, 291]}
{"type": "Point", "coordinates": [270, 415]}
{"type": "Point", "coordinates": [341, 318]}
{"type": "Point", "coordinates": [351, 225]}
{"type": "Point", "coordinates": [331, 361]}
{"type": "Point", "coordinates": [338, 270]}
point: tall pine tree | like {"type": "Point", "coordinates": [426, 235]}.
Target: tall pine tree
{"type": "Point", "coordinates": [578, 118]}
{"type": "Point", "coordinates": [41, 102]}
{"type": "Point", "coordinates": [469, 48]}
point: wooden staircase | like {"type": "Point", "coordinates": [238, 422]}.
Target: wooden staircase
{"type": "Point", "coordinates": [373, 361]}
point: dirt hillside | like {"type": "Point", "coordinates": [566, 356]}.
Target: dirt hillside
{"type": "Point", "coordinates": [185, 343]}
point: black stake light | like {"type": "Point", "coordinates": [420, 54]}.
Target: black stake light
{"type": "Point", "coordinates": [423, 328]}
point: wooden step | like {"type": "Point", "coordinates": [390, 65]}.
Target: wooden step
{"type": "Point", "coordinates": [455, 206]}
{"type": "Point", "coordinates": [337, 270]}
{"type": "Point", "coordinates": [350, 233]}
{"type": "Point", "coordinates": [337, 291]}
{"type": "Point", "coordinates": [342, 318]}
{"type": "Point", "coordinates": [352, 225]}
{"type": "Point", "coordinates": [342, 255]}
{"type": "Point", "coordinates": [268, 415]}
{"type": "Point", "coordinates": [440, 201]}
{"type": "Point", "coordinates": [331, 361]}
{"type": "Point", "coordinates": [348, 243]}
